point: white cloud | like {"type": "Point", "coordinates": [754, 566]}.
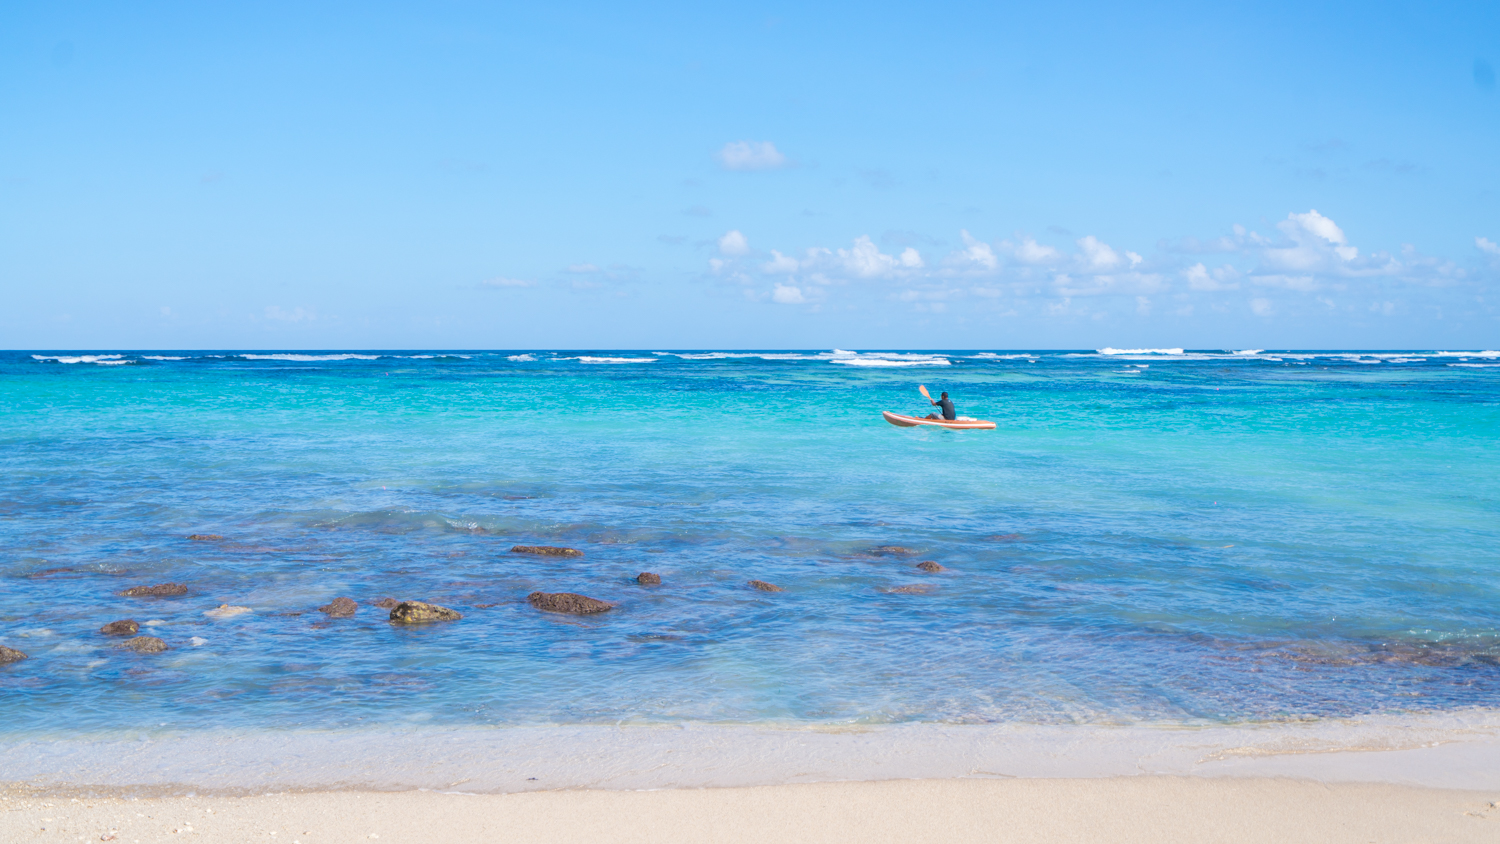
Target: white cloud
{"type": "Point", "coordinates": [779, 263]}
{"type": "Point", "coordinates": [734, 243]}
{"type": "Point", "coordinates": [1032, 252]}
{"type": "Point", "coordinates": [1200, 278]}
{"type": "Point", "coordinates": [785, 294]}
{"type": "Point", "coordinates": [866, 260]}
{"type": "Point", "coordinates": [1096, 254]}
{"type": "Point", "coordinates": [1318, 243]}
{"type": "Point", "coordinates": [582, 268]}
{"type": "Point", "coordinates": [751, 155]}
{"type": "Point", "coordinates": [977, 252]}
{"type": "Point", "coordinates": [1319, 225]}
{"type": "Point", "coordinates": [1309, 255]}
{"type": "Point", "coordinates": [1487, 245]}
{"type": "Point", "coordinates": [506, 282]}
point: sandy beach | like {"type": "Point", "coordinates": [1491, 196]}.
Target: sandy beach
{"type": "Point", "coordinates": [1429, 778]}
{"type": "Point", "coordinates": [1116, 809]}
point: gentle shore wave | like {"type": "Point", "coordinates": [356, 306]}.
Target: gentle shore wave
{"type": "Point", "coordinates": [1451, 750]}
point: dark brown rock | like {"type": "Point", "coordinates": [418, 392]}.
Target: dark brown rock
{"type": "Point", "coordinates": [647, 578]}
{"type": "Point", "coordinates": [205, 537]}
{"type": "Point", "coordinates": [145, 645]}
{"type": "Point", "coordinates": [567, 602]}
{"type": "Point", "coordinates": [929, 565]}
{"type": "Point", "coordinates": [546, 551]}
{"type": "Point", "coordinates": [385, 603]}
{"type": "Point", "coordinates": [1004, 537]}
{"type": "Point", "coordinates": [160, 590]}
{"type": "Point", "coordinates": [339, 607]}
{"type": "Point", "coordinates": [46, 572]}
{"type": "Point", "coordinates": [914, 589]}
{"type": "Point", "coordinates": [892, 551]}
{"type": "Point", "coordinates": [124, 627]}
{"type": "Point", "coordinates": [8, 655]}
{"type": "Point", "coordinates": [416, 612]}
{"type": "Point", "coordinates": [764, 586]}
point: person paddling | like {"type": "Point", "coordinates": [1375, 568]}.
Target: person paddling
{"type": "Point", "coordinates": [945, 403]}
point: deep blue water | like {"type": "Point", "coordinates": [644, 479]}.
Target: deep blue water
{"type": "Point", "coordinates": [1155, 537]}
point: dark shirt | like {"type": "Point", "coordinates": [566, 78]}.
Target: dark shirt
{"type": "Point", "coordinates": [947, 406]}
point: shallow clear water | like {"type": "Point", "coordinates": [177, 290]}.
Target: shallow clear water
{"type": "Point", "coordinates": [1186, 537]}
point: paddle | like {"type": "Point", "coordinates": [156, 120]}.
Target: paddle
{"type": "Point", "coordinates": [923, 389]}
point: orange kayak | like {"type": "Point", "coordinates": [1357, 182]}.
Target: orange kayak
{"type": "Point", "coordinates": [959, 424]}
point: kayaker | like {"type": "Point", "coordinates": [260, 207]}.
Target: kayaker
{"type": "Point", "coordinates": [947, 405]}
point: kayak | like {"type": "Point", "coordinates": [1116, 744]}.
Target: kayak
{"type": "Point", "coordinates": [962, 423]}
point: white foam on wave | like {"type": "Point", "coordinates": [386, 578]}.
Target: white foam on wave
{"type": "Point", "coordinates": [864, 361]}
{"type": "Point", "coordinates": [1109, 351]}
{"type": "Point", "coordinates": [308, 358]}
{"type": "Point", "coordinates": [520, 358]}
{"type": "Point", "coordinates": [101, 360]}
{"type": "Point", "coordinates": [160, 357]}
{"type": "Point", "coordinates": [1249, 351]}
{"type": "Point", "coordinates": [587, 359]}
{"type": "Point", "coordinates": [993, 356]}
{"type": "Point", "coordinates": [1476, 365]}
{"type": "Point", "coordinates": [731, 355]}
{"type": "Point", "coordinates": [1466, 354]}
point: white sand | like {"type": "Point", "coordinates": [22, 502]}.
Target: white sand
{"type": "Point", "coordinates": [1116, 809]}
{"type": "Point", "coordinates": [1427, 778]}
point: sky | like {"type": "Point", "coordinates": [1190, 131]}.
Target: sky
{"type": "Point", "coordinates": [668, 176]}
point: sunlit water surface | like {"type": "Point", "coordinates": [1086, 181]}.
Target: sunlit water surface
{"type": "Point", "coordinates": [1199, 537]}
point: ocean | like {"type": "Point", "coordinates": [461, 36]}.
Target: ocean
{"type": "Point", "coordinates": [1147, 537]}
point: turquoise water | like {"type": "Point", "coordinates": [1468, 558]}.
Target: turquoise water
{"type": "Point", "coordinates": [1199, 537]}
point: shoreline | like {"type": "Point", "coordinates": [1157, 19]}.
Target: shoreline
{"type": "Point", "coordinates": [1447, 750]}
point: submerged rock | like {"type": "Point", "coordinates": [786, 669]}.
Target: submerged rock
{"type": "Point", "coordinates": [647, 578]}
{"type": "Point", "coordinates": [914, 589]}
{"type": "Point", "coordinates": [205, 537]}
{"type": "Point", "coordinates": [929, 565]}
{"type": "Point", "coordinates": [546, 551]}
{"type": "Point", "coordinates": [567, 602]}
{"type": "Point", "coordinates": [123, 627]}
{"type": "Point", "coordinates": [416, 612]}
{"type": "Point", "coordinates": [385, 603]}
{"type": "Point", "coordinates": [1004, 537]}
{"type": "Point", "coordinates": [47, 572]}
{"type": "Point", "coordinates": [339, 607]}
{"type": "Point", "coordinates": [145, 645]}
{"type": "Point", "coordinates": [892, 551]}
{"type": "Point", "coordinates": [764, 586]}
{"type": "Point", "coordinates": [160, 590]}
{"type": "Point", "coordinates": [226, 611]}
{"type": "Point", "coordinates": [8, 655]}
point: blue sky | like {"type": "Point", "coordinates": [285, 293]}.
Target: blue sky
{"type": "Point", "coordinates": [1063, 175]}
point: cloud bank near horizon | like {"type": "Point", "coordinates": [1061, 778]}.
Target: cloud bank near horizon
{"type": "Point", "coordinates": [1305, 264]}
